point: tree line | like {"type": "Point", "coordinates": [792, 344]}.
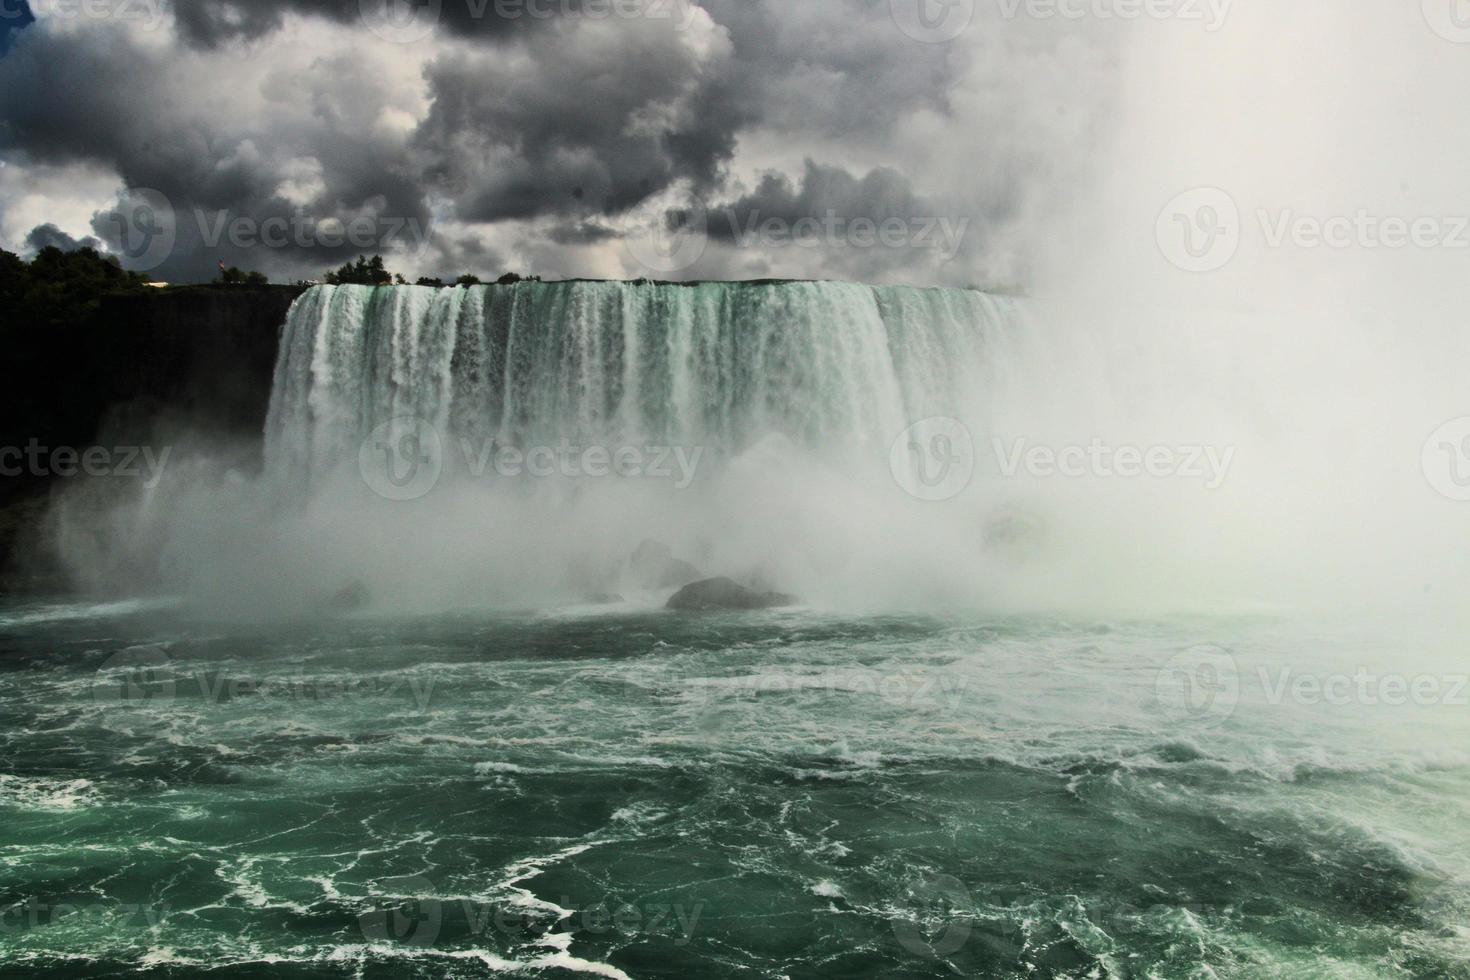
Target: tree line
{"type": "Point", "coordinates": [373, 272]}
{"type": "Point", "coordinates": [60, 287]}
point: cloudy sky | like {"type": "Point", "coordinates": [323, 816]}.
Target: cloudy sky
{"type": "Point", "coordinates": [924, 141]}
{"type": "Point", "coordinates": [538, 135]}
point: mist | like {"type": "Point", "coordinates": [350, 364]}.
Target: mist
{"type": "Point", "coordinates": [1306, 377]}
{"type": "Point", "coordinates": [1139, 463]}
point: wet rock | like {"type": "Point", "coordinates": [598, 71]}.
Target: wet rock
{"type": "Point", "coordinates": [723, 593]}
{"type": "Point", "coordinates": [353, 597]}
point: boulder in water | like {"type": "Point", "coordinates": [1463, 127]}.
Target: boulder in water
{"type": "Point", "coordinates": [723, 593]}
{"type": "Point", "coordinates": [352, 597]}
{"type": "Point", "coordinates": [654, 566]}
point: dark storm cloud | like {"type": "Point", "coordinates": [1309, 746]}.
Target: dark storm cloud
{"type": "Point", "coordinates": [14, 15]}
{"type": "Point", "coordinates": [587, 121]}
{"type": "Point", "coordinates": [550, 129]}
{"type": "Point", "coordinates": [879, 195]}
{"type": "Point", "coordinates": [50, 236]}
{"type": "Point", "coordinates": [555, 124]}
{"type": "Point", "coordinates": [95, 96]}
{"type": "Point", "coordinates": [213, 22]}
{"type": "Point", "coordinates": [582, 233]}
{"type": "Point", "coordinates": [451, 256]}
{"type": "Point", "coordinates": [847, 226]}
{"type": "Point", "coordinates": [836, 65]}
{"type": "Point", "coordinates": [65, 99]}
{"type": "Point", "coordinates": [839, 68]}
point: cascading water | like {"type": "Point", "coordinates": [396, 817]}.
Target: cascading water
{"type": "Point", "coordinates": [782, 401]}
{"type": "Point", "coordinates": [531, 736]}
{"type": "Point", "coordinates": [438, 446]}
{"type": "Point", "coordinates": [836, 368]}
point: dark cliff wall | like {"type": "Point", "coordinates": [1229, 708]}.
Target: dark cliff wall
{"type": "Point", "coordinates": [197, 356]}
{"type": "Point", "coordinates": [145, 369]}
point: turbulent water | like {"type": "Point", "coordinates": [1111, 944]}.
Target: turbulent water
{"type": "Point", "coordinates": [396, 707]}
{"type": "Point", "coordinates": [770, 795]}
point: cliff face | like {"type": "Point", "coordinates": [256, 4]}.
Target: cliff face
{"type": "Point", "coordinates": [142, 368]}
{"type": "Point", "coordinates": [200, 355]}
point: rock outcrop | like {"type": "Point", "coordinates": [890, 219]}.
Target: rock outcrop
{"type": "Point", "coordinates": [724, 594]}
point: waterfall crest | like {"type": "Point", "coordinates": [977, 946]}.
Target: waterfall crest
{"type": "Point", "coordinates": [836, 368]}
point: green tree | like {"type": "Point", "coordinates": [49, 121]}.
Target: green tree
{"type": "Point", "coordinates": [363, 272]}
{"type": "Point", "coordinates": [14, 277]}
{"type": "Point", "coordinates": [468, 279]}
{"type": "Point", "coordinates": [236, 277]}
{"type": "Point", "coordinates": [59, 287]}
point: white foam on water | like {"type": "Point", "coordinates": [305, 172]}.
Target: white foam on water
{"type": "Point", "coordinates": [499, 767]}
{"type": "Point", "coordinates": [827, 889]}
{"type": "Point", "coordinates": [47, 794]}
{"type": "Point", "coordinates": [37, 615]}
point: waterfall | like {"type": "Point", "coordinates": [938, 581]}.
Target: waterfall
{"type": "Point", "coordinates": [836, 368]}
{"type": "Point", "coordinates": [873, 447]}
